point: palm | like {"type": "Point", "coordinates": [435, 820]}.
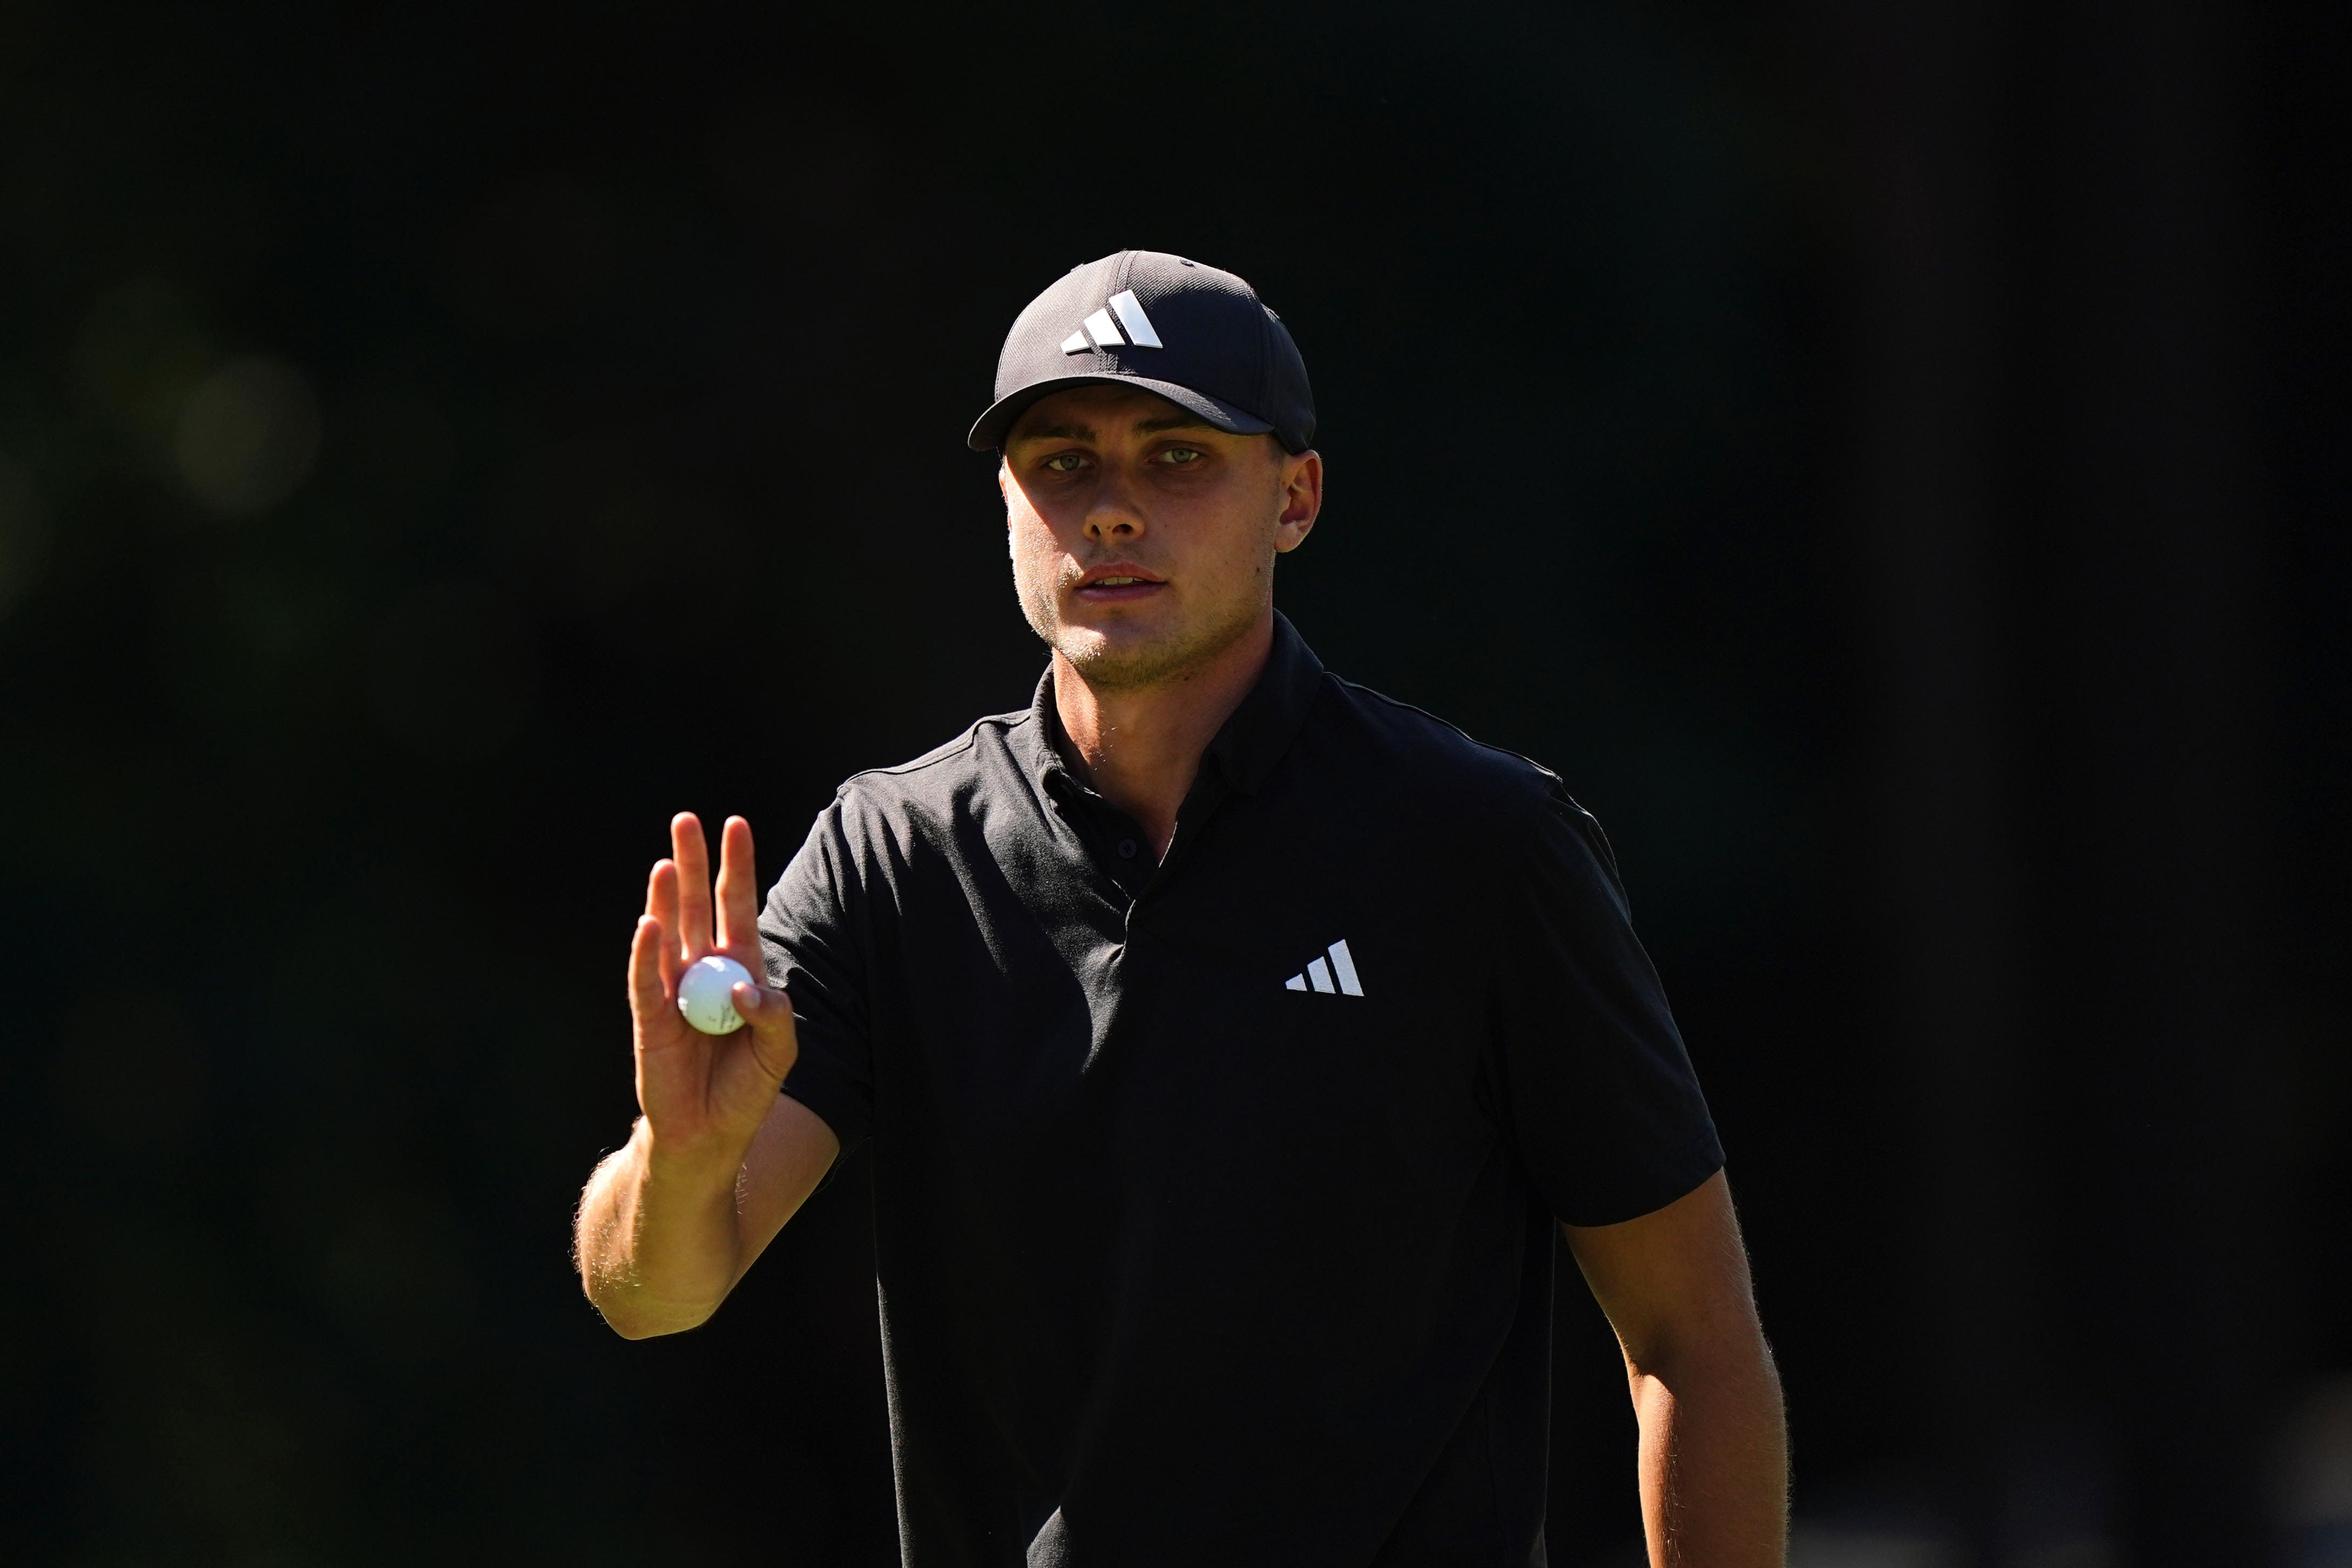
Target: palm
{"type": "Point", "coordinates": [694, 1088]}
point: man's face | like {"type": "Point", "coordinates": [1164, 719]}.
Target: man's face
{"type": "Point", "coordinates": [1143, 538]}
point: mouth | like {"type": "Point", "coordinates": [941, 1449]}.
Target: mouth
{"type": "Point", "coordinates": [1118, 583]}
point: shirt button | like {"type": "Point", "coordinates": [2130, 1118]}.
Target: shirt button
{"type": "Point", "coordinates": [1126, 848]}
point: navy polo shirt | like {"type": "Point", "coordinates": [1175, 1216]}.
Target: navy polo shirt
{"type": "Point", "coordinates": [1214, 1199]}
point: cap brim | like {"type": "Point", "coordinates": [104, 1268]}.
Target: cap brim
{"type": "Point", "coordinates": [989, 431]}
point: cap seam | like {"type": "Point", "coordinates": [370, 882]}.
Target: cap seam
{"type": "Point", "coordinates": [1118, 280]}
{"type": "Point", "coordinates": [1264, 357]}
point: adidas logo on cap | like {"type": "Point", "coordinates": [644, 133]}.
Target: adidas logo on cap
{"type": "Point", "coordinates": [1322, 977]}
{"type": "Point", "coordinates": [1099, 330]}
{"type": "Point", "coordinates": [1205, 342]}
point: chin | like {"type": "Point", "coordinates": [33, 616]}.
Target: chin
{"type": "Point", "coordinates": [1127, 655]}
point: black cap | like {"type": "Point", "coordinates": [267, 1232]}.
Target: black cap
{"type": "Point", "coordinates": [1196, 336]}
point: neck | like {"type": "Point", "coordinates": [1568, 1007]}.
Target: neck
{"type": "Point", "coordinates": [1140, 747]}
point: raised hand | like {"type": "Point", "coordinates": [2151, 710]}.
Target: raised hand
{"type": "Point", "coordinates": [704, 1096]}
{"type": "Point", "coordinates": [720, 1160]}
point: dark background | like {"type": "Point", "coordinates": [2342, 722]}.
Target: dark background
{"type": "Point", "coordinates": [1888, 457]}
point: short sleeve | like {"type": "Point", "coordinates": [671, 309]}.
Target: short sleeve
{"type": "Point", "coordinates": [1599, 1095]}
{"type": "Point", "coordinates": [810, 931]}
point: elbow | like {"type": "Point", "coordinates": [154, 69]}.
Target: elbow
{"type": "Point", "coordinates": [1735, 1366]}
{"type": "Point", "coordinates": [651, 1328]}
{"type": "Point", "coordinates": [636, 1331]}
{"type": "Point", "coordinates": [1727, 1343]}
{"type": "Point", "coordinates": [631, 1316]}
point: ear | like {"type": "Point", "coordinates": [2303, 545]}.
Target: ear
{"type": "Point", "coordinates": [1302, 499]}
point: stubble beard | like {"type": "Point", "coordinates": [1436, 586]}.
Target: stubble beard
{"type": "Point", "coordinates": [1118, 664]}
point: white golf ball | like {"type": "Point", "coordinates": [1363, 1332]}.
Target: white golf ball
{"type": "Point", "coordinates": [705, 993]}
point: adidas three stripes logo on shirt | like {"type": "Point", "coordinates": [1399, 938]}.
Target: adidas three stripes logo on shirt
{"type": "Point", "coordinates": [1337, 977]}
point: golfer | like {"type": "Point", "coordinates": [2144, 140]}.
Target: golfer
{"type": "Point", "coordinates": [1236, 1047]}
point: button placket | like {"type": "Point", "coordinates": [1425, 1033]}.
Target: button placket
{"type": "Point", "coordinates": [1094, 821]}
{"type": "Point", "coordinates": [1191, 820]}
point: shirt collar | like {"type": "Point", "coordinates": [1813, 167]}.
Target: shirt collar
{"type": "Point", "coordinates": [1253, 738]}
{"type": "Point", "coordinates": [1259, 731]}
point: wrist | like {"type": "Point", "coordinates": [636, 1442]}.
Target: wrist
{"type": "Point", "coordinates": [707, 1161]}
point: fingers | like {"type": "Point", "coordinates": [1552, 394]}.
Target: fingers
{"type": "Point", "coordinates": [648, 989]}
{"type": "Point", "coordinates": [738, 895]}
{"type": "Point", "coordinates": [661, 905]}
{"type": "Point", "coordinates": [768, 1014]}
{"type": "Point", "coordinates": [693, 884]}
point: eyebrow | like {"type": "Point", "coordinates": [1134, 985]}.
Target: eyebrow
{"type": "Point", "coordinates": [1056, 433]}
{"type": "Point", "coordinates": [1087, 432]}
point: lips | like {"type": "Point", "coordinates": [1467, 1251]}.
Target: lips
{"type": "Point", "coordinates": [1118, 581]}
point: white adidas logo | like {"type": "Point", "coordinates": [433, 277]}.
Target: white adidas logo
{"type": "Point", "coordinates": [1103, 332]}
{"type": "Point", "coordinates": [1321, 974]}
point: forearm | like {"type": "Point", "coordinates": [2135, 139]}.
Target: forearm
{"type": "Point", "coordinates": [1714, 1456]}
{"type": "Point", "coordinates": [659, 1236]}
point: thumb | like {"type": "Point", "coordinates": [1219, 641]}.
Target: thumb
{"type": "Point", "coordinates": [768, 1014]}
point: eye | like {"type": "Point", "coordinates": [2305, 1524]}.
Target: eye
{"type": "Point", "coordinates": [1064, 463]}
{"type": "Point", "coordinates": [1181, 456]}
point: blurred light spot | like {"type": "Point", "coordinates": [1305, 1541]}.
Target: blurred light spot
{"type": "Point", "coordinates": [2315, 1492]}
{"type": "Point", "coordinates": [23, 536]}
{"type": "Point", "coordinates": [248, 436]}
{"type": "Point", "coordinates": [456, 671]}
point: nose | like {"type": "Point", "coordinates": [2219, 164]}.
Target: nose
{"type": "Point", "coordinates": [1111, 512]}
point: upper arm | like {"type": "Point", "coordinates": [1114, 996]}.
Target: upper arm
{"type": "Point", "coordinates": [1672, 1280]}
{"type": "Point", "coordinates": [789, 1157]}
